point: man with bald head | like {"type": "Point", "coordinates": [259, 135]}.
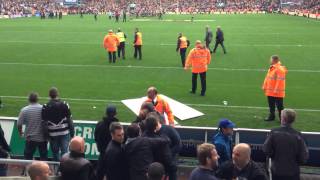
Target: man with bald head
{"type": "Point", "coordinates": [39, 170]}
{"type": "Point", "coordinates": [241, 166]}
{"type": "Point", "coordinates": [198, 59]}
{"type": "Point", "coordinates": [160, 105]}
{"type": "Point", "coordinates": [73, 165]}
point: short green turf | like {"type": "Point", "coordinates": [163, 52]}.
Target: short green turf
{"type": "Point", "coordinates": [38, 54]}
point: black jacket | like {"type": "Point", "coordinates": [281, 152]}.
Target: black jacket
{"type": "Point", "coordinates": [219, 36]}
{"type": "Point", "coordinates": [139, 155]}
{"type": "Point", "coordinates": [102, 134]}
{"type": "Point", "coordinates": [251, 172]}
{"type": "Point", "coordinates": [4, 147]}
{"type": "Point", "coordinates": [113, 165]}
{"type": "Point", "coordinates": [57, 112]}
{"type": "Point", "coordinates": [173, 135]}
{"type": "Point", "coordinates": [74, 166]}
{"type": "Point", "coordinates": [287, 149]}
{"type": "Point", "coordinates": [163, 154]}
{"type": "Point", "coordinates": [208, 37]}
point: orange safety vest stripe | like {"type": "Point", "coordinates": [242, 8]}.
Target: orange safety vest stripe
{"type": "Point", "coordinates": [163, 107]}
{"type": "Point", "coordinates": [198, 58]}
{"type": "Point", "coordinates": [274, 83]}
{"type": "Point", "coordinates": [139, 38]}
{"type": "Point", "coordinates": [111, 41]}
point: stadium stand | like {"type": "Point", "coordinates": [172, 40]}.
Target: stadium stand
{"type": "Point", "coordinates": [22, 8]}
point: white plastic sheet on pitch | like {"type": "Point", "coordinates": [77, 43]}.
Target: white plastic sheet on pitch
{"type": "Point", "coordinates": [179, 110]}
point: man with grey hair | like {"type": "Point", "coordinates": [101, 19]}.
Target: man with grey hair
{"type": "Point", "coordinates": [241, 166]}
{"type": "Point", "coordinates": [39, 170]}
{"type": "Point", "coordinates": [286, 148]}
{"type": "Point", "coordinates": [208, 37]}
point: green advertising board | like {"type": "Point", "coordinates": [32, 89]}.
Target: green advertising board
{"type": "Point", "coordinates": [83, 129]}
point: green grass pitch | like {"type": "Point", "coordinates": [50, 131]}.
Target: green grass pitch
{"type": "Point", "coordinates": [38, 54]}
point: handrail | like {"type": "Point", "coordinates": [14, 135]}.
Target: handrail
{"type": "Point", "coordinates": [178, 127]}
{"type": "Point", "coordinates": [24, 162]}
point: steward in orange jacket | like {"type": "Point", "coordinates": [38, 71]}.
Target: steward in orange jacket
{"type": "Point", "coordinates": [160, 105]}
{"type": "Point", "coordinates": [199, 58]}
{"type": "Point", "coordinates": [110, 43]}
{"type": "Point", "coordinates": [137, 44]}
{"type": "Point", "coordinates": [274, 86]}
{"type": "Point", "coordinates": [182, 45]}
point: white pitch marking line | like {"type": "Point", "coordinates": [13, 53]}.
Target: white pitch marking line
{"type": "Point", "coordinates": [259, 45]}
{"type": "Point", "coordinates": [199, 105]}
{"type": "Point", "coordinates": [150, 67]}
{"type": "Point", "coordinates": [165, 44]}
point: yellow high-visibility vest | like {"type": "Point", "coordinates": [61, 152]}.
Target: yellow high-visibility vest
{"type": "Point", "coordinates": [121, 36]}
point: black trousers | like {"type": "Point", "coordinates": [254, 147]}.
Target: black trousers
{"type": "Point", "coordinates": [208, 45]}
{"type": "Point", "coordinates": [216, 46]}
{"type": "Point", "coordinates": [31, 147]}
{"type": "Point", "coordinates": [121, 49]}
{"type": "Point", "coordinates": [137, 51]}
{"type": "Point", "coordinates": [112, 57]}
{"type": "Point", "coordinates": [273, 102]}
{"type": "Point", "coordinates": [203, 77]}
{"type": "Point", "coordinates": [183, 55]}
{"type": "Point", "coordinates": [275, 177]}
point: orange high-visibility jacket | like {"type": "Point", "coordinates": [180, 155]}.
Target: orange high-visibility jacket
{"type": "Point", "coordinates": [163, 107]}
{"type": "Point", "coordinates": [198, 58]}
{"type": "Point", "coordinates": [138, 38]}
{"type": "Point", "coordinates": [111, 42]}
{"type": "Point", "coordinates": [183, 42]}
{"type": "Point", "coordinates": [275, 81]}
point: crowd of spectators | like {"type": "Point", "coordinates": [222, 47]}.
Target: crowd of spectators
{"type": "Point", "coordinates": [148, 148]}
{"type": "Point", "coordinates": [156, 7]}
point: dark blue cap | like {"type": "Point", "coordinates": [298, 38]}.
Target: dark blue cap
{"type": "Point", "coordinates": [111, 110]}
{"type": "Point", "coordinates": [226, 123]}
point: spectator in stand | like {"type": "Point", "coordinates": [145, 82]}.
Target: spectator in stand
{"type": "Point", "coordinates": [30, 116]}
{"type": "Point", "coordinates": [39, 170]}
{"type": "Point", "coordinates": [169, 132]}
{"type": "Point", "coordinates": [287, 149]}
{"type": "Point", "coordinates": [139, 152]}
{"type": "Point", "coordinates": [163, 154]}
{"type": "Point", "coordinates": [114, 165]}
{"type": "Point", "coordinates": [102, 134]}
{"type": "Point", "coordinates": [223, 140]}
{"type": "Point", "coordinates": [57, 116]}
{"type": "Point", "coordinates": [208, 161]}
{"type": "Point", "coordinates": [241, 166]}
{"type": "Point", "coordinates": [73, 165]}
{"type": "Point", "coordinates": [156, 171]}
{"type": "Point", "coordinates": [4, 152]}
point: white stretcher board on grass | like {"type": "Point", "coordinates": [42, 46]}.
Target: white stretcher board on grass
{"type": "Point", "coordinates": [179, 110]}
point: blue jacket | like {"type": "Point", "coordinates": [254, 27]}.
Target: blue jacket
{"type": "Point", "coordinates": [223, 146]}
